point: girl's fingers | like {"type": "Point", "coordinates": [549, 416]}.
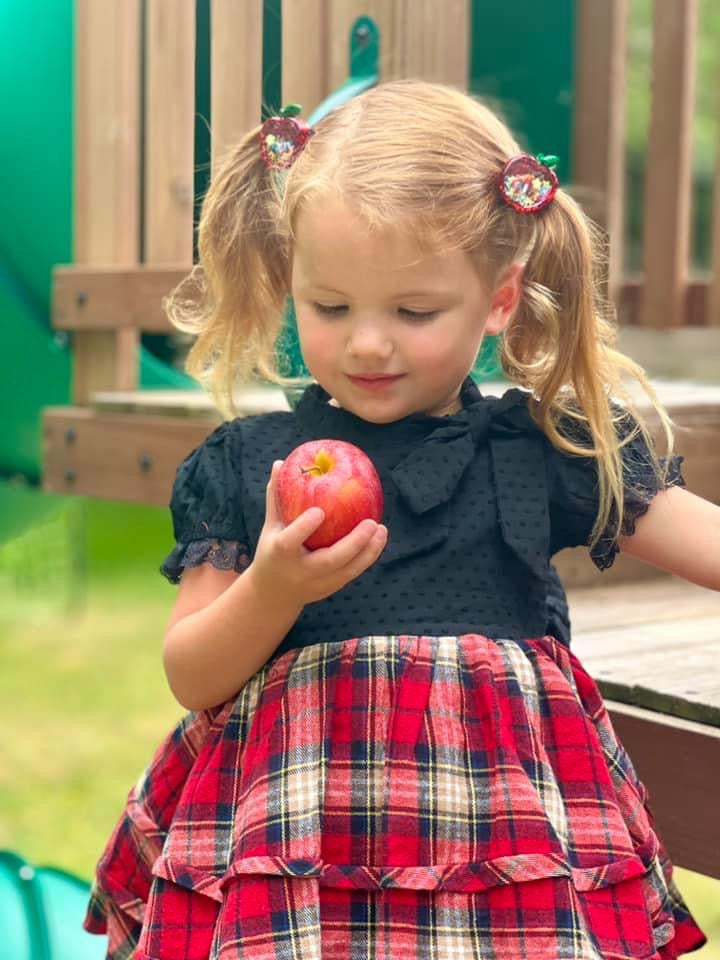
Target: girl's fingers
{"type": "Point", "coordinates": [347, 549]}
{"type": "Point", "coordinates": [297, 532]}
{"type": "Point", "coordinates": [272, 514]}
{"type": "Point", "coordinates": [367, 555]}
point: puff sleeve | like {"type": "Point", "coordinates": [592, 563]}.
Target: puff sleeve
{"type": "Point", "coordinates": [206, 507]}
{"type": "Point", "coordinates": [574, 496]}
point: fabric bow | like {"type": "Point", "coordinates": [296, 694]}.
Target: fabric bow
{"type": "Point", "coordinates": [427, 480]}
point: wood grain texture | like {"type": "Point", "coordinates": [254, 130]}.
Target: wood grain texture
{"type": "Point", "coordinates": [306, 53]}
{"type": "Point", "coordinates": [678, 763]}
{"type": "Point", "coordinates": [599, 131]}
{"type": "Point", "coordinates": [117, 456]}
{"type": "Point", "coordinates": [106, 196]}
{"type": "Point", "coordinates": [112, 298]}
{"type": "Point", "coordinates": [668, 183]}
{"type": "Point", "coordinates": [169, 98]}
{"type": "Point", "coordinates": [653, 644]}
{"type": "Point", "coordinates": [236, 72]}
{"type": "Point", "coordinates": [713, 315]}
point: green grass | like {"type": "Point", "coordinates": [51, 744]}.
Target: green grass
{"type": "Point", "coordinates": [83, 699]}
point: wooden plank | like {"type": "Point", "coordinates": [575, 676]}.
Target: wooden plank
{"type": "Point", "coordinates": [713, 315]}
{"type": "Point", "coordinates": [667, 599]}
{"type": "Point", "coordinates": [73, 280]}
{"type": "Point", "coordinates": [106, 179]}
{"type": "Point", "coordinates": [114, 456]}
{"type": "Point", "coordinates": [652, 644]}
{"type": "Point", "coordinates": [599, 136]}
{"type": "Point", "coordinates": [249, 399]}
{"type": "Point", "coordinates": [169, 131]}
{"type": "Point", "coordinates": [106, 201]}
{"type": "Point", "coordinates": [236, 71]}
{"type": "Point", "coordinates": [677, 761]}
{"type": "Point", "coordinates": [668, 183]}
{"type": "Point", "coordinates": [432, 40]}
{"type": "Point", "coordinates": [630, 299]}
{"type": "Point", "coordinates": [305, 53]}
{"type": "Point", "coordinates": [675, 353]}
{"type": "Point", "coordinates": [342, 14]}
{"type": "Point", "coordinates": [111, 298]}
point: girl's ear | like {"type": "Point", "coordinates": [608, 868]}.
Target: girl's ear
{"type": "Point", "coordinates": [505, 299]}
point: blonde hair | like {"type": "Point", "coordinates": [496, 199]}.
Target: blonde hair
{"type": "Point", "coordinates": [425, 157]}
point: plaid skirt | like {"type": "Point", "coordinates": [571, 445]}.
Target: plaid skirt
{"type": "Point", "coordinates": [394, 798]}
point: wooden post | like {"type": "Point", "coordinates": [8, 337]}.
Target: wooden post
{"type": "Point", "coordinates": [432, 40]}
{"type": "Point", "coordinates": [305, 55]}
{"type": "Point", "coordinates": [106, 177]}
{"type": "Point", "coordinates": [418, 38]}
{"type": "Point", "coordinates": [341, 16]}
{"type": "Point", "coordinates": [712, 316]}
{"type": "Point", "coordinates": [236, 79]}
{"type": "Point", "coordinates": [668, 184]}
{"type": "Point", "coordinates": [169, 131]}
{"type": "Point", "coordinates": [599, 140]}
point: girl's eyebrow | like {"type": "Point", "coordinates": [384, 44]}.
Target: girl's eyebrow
{"type": "Point", "coordinates": [321, 286]}
{"type": "Point", "coordinates": [398, 296]}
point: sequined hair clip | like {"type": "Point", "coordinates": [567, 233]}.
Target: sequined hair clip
{"type": "Point", "coordinates": [528, 184]}
{"type": "Point", "coordinates": [283, 137]}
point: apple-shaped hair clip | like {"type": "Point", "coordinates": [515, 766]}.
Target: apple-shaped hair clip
{"type": "Point", "coordinates": [528, 184]}
{"type": "Point", "coordinates": [283, 137]}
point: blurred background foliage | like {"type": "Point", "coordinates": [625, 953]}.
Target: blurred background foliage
{"type": "Point", "coordinates": [705, 131]}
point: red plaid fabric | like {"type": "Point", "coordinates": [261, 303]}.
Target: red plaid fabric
{"type": "Point", "coordinates": [396, 797]}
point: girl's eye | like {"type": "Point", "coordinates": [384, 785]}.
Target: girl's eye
{"type": "Point", "coordinates": [329, 309]}
{"type": "Point", "coordinates": [418, 315]}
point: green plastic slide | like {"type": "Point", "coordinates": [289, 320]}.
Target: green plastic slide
{"type": "Point", "coordinates": [42, 913]}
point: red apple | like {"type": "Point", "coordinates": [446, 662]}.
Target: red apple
{"type": "Point", "coordinates": [333, 475]}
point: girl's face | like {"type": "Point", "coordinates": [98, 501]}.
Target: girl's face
{"type": "Point", "coordinates": [386, 330]}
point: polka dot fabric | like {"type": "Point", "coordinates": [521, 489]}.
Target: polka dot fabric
{"type": "Point", "coordinates": [421, 770]}
{"type": "Point", "coordinates": [475, 505]}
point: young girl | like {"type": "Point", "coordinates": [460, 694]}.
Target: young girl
{"type": "Point", "coordinates": [387, 755]}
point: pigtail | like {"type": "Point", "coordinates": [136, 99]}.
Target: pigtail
{"type": "Point", "coordinates": [562, 346]}
{"type": "Point", "coordinates": [233, 299]}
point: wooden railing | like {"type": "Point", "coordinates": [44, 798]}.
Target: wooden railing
{"type": "Point", "coordinates": [125, 202]}
{"type": "Point", "coordinates": [134, 170]}
{"type": "Point", "coordinates": [665, 295]}
{"type": "Point", "coordinates": [134, 147]}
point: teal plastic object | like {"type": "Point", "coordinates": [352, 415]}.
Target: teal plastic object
{"type": "Point", "coordinates": [36, 71]}
{"type": "Point", "coordinates": [42, 911]}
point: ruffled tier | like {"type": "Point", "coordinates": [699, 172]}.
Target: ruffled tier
{"type": "Point", "coordinates": [438, 796]}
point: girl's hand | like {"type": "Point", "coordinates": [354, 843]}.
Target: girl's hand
{"type": "Point", "coordinates": [282, 565]}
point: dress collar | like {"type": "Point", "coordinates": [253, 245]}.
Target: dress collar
{"type": "Point", "coordinates": [324, 420]}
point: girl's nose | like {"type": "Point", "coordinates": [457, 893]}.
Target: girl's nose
{"type": "Point", "coordinates": [369, 340]}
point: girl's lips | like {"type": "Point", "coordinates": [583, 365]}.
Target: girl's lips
{"type": "Point", "coordinates": [374, 383]}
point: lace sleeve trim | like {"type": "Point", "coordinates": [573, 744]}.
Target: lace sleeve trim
{"type": "Point", "coordinates": [222, 554]}
{"type": "Point", "coordinates": [637, 503]}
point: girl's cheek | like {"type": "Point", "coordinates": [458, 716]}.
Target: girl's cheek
{"type": "Point", "coordinates": [316, 342]}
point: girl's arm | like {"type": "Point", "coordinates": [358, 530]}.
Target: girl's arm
{"type": "Point", "coordinates": [679, 533]}
{"type": "Point", "coordinates": [225, 627]}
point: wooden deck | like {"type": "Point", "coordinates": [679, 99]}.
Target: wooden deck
{"type": "Point", "coordinates": [654, 649]}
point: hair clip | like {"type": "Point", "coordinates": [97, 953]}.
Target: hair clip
{"type": "Point", "coordinates": [283, 137]}
{"type": "Point", "coordinates": [528, 184]}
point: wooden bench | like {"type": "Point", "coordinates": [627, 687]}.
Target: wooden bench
{"type": "Point", "coordinates": [653, 647]}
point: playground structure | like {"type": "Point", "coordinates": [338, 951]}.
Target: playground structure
{"type": "Point", "coordinates": [135, 202]}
